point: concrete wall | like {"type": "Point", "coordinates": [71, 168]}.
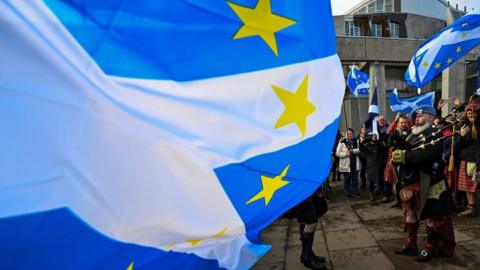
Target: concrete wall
{"type": "Point", "coordinates": [429, 8]}
{"type": "Point", "coordinates": [339, 22]}
{"type": "Point", "coordinates": [420, 27]}
{"type": "Point", "coordinates": [359, 49]}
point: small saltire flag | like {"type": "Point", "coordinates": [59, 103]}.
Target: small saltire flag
{"type": "Point", "coordinates": [372, 116]}
{"type": "Point", "coordinates": [144, 135]}
{"type": "Point", "coordinates": [358, 81]}
{"type": "Point", "coordinates": [407, 105]}
{"type": "Point", "coordinates": [442, 49]}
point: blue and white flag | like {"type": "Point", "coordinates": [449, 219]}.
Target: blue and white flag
{"type": "Point", "coordinates": [372, 116]}
{"type": "Point", "coordinates": [442, 49]}
{"type": "Point", "coordinates": [145, 135]}
{"type": "Point", "coordinates": [407, 105]}
{"type": "Point", "coordinates": [358, 81]}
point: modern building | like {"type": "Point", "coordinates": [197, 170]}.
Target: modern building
{"type": "Point", "coordinates": [381, 36]}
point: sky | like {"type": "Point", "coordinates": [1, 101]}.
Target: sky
{"type": "Point", "coordinates": [340, 6]}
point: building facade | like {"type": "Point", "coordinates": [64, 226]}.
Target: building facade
{"type": "Point", "coordinates": [381, 36]}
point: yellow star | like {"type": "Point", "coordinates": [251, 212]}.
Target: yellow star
{"type": "Point", "coordinates": [194, 242]}
{"type": "Point", "coordinates": [260, 21]}
{"type": "Point", "coordinates": [220, 234]}
{"type": "Point", "coordinates": [425, 64]}
{"type": "Point", "coordinates": [464, 34]}
{"type": "Point", "coordinates": [169, 246]}
{"type": "Point", "coordinates": [297, 106]}
{"type": "Point", "coordinates": [449, 60]}
{"type": "Point", "coordinates": [459, 49]}
{"type": "Point", "coordinates": [130, 266]}
{"type": "Point", "coordinates": [270, 186]}
{"type": "Point", "coordinates": [438, 65]}
{"type": "Point", "coordinates": [464, 24]}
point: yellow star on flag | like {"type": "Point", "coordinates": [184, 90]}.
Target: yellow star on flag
{"type": "Point", "coordinates": [438, 65]}
{"type": "Point", "coordinates": [464, 24]}
{"type": "Point", "coordinates": [260, 21]}
{"type": "Point", "coordinates": [425, 64]}
{"type": "Point", "coordinates": [297, 106]}
{"type": "Point", "coordinates": [449, 60]}
{"type": "Point", "coordinates": [459, 49]}
{"type": "Point", "coordinates": [270, 186]}
{"type": "Point", "coordinates": [130, 266]}
{"type": "Point", "coordinates": [464, 34]}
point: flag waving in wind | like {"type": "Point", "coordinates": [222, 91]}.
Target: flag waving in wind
{"type": "Point", "coordinates": [141, 135]}
{"type": "Point", "coordinates": [407, 105]}
{"type": "Point", "coordinates": [442, 49]}
{"type": "Point", "coordinates": [358, 81]}
{"type": "Point", "coordinates": [372, 116]}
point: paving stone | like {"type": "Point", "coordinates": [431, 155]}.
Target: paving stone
{"type": "Point", "coordinates": [461, 237]}
{"type": "Point", "coordinates": [369, 211]}
{"type": "Point", "coordinates": [276, 255]}
{"type": "Point", "coordinates": [360, 258]}
{"type": "Point", "coordinates": [348, 239]}
{"type": "Point", "coordinates": [274, 234]}
{"type": "Point", "coordinates": [276, 266]}
{"type": "Point", "coordinates": [340, 218]}
{"type": "Point", "coordinates": [473, 248]}
{"type": "Point", "coordinates": [386, 228]}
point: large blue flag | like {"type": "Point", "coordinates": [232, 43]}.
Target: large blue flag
{"type": "Point", "coordinates": [442, 49]}
{"type": "Point", "coordinates": [407, 105]}
{"type": "Point", "coordinates": [146, 135]}
{"type": "Point", "coordinates": [358, 81]}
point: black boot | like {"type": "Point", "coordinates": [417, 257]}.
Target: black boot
{"type": "Point", "coordinates": [409, 248]}
{"type": "Point", "coordinates": [319, 259]}
{"type": "Point", "coordinates": [308, 257]}
{"type": "Point", "coordinates": [428, 252]}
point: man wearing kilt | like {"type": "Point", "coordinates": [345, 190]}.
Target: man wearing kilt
{"type": "Point", "coordinates": [469, 149]}
{"type": "Point", "coordinates": [307, 214]}
{"type": "Point", "coordinates": [423, 189]}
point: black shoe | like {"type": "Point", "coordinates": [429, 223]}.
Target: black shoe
{"type": "Point", "coordinates": [406, 250]}
{"type": "Point", "coordinates": [424, 255]}
{"type": "Point", "coordinates": [356, 195]}
{"type": "Point", "coordinates": [318, 259]}
{"type": "Point", "coordinates": [311, 263]}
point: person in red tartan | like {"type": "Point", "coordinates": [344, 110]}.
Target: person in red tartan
{"type": "Point", "coordinates": [423, 191]}
{"type": "Point", "coordinates": [469, 150]}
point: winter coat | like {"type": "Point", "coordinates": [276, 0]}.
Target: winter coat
{"type": "Point", "coordinates": [342, 154]}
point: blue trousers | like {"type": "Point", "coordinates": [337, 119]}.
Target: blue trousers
{"type": "Point", "coordinates": [350, 183]}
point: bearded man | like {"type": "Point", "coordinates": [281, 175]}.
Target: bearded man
{"type": "Point", "coordinates": [423, 189]}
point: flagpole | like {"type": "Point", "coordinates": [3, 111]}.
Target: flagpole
{"type": "Point", "coordinates": [358, 109]}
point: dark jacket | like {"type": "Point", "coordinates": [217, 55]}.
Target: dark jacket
{"type": "Point", "coordinates": [469, 147]}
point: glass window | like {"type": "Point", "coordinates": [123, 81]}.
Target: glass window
{"type": "Point", "coordinates": [389, 5]}
{"type": "Point", "coordinates": [376, 30]}
{"type": "Point", "coordinates": [351, 29]}
{"type": "Point", "coordinates": [380, 6]}
{"type": "Point", "coordinates": [371, 7]}
{"type": "Point", "coordinates": [394, 29]}
{"type": "Point", "coordinates": [362, 10]}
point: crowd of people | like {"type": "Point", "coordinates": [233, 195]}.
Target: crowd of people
{"type": "Point", "coordinates": [429, 166]}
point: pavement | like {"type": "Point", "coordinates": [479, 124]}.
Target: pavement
{"type": "Point", "coordinates": [358, 234]}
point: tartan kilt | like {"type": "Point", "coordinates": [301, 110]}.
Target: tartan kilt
{"type": "Point", "coordinates": [465, 182]}
{"type": "Point", "coordinates": [452, 179]}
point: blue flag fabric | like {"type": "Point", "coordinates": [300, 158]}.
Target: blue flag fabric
{"type": "Point", "coordinates": [372, 116]}
{"type": "Point", "coordinates": [139, 135]}
{"type": "Point", "coordinates": [358, 81]}
{"type": "Point", "coordinates": [442, 50]}
{"type": "Point", "coordinates": [407, 105]}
